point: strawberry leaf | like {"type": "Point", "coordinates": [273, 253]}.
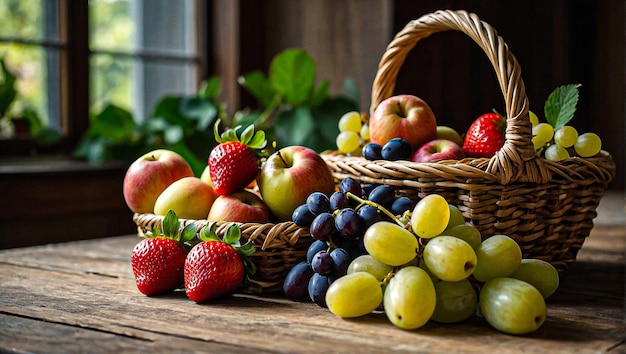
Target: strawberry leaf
{"type": "Point", "coordinates": [209, 233]}
{"type": "Point", "coordinates": [188, 233]}
{"type": "Point", "coordinates": [247, 134]}
{"type": "Point", "coordinates": [232, 236]}
{"type": "Point", "coordinates": [247, 249]}
{"type": "Point", "coordinates": [258, 141]}
{"type": "Point", "coordinates": [561, 105]}
{"type": "Point", "coordinates": [170, 224]}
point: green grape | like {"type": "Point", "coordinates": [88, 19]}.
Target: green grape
{"type": "Point", "coordinates": [449, 258]}
{"type": "Point", "coordinates": [556, 152]}
{"type": "Point", "coordinates": [543, 133]}
{"type": "Point", "coordinates": [391, 244]}
{"type": "Point", "coordinates": [467, 233]}
{"type": "Point", "coordinates": [430, 216]}
{"type": "Point", "coordinates": [533, 118]}
{"type": "Point", "coordinates": [433, 277]}
{"type": "Point", "coordinates": [537, 144]}
{"type": "Point", "coordinates": [456, 301]}
{"type": "Point", "coordinates": [512, 306]}
{"type": "Point", "coordinates": [588, 144]}
{"type": "Point", "coordinates": [365, 132]}
{"type": "Point", "coordinates": [409, 299]}
{"type": "Point", "coordinates": [354, 295]}
{"type": "Point", "coordinates": [350, 122]}
{"type": "Point", "coordinates": [566, 136]}
{"type": "Point", "coordinates": [456, 217]}
{"type": "Point", "coordinates": [347, 141]}
{"type": "Point", "coordinates": [540, 274]}
{"type": "Point", "coordinates": [369, 264]}
{"type": "Point", "coordinates": [498, 256]}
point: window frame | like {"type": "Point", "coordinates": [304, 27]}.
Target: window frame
{"type": "Point", "coordinates": [74, 68]}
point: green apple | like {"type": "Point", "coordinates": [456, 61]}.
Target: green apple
{"type": "Point", "coordinates": [240, 206]}
{"type": "Point", "coordinates": [447, 133]}
{"type": "Point", "coordinates": [288, 177]}
{"type": "Point", "coordinates": [149, 175]}
{"type": "Point", "coordinates": [188, 197]}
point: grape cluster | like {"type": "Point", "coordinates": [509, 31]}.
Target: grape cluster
{"type": "Point", "coordinates": [560, 144]}
{"type": "Point", "coordinates": [338, 223]}
{"type": "Point", "coordinates": [353, 134]}
{"type": "Point", "coordinates": [439, 268]}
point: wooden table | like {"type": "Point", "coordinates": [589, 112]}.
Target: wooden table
{"type": "Point", "coordinates": [81, 297]}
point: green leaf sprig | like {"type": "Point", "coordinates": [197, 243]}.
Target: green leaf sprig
{"type": "Point", "coordinates": [560, 106]}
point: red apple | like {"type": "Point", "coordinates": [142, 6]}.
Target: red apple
{"type": "Point", "coordinates": [188, 197]}
{"type": "Point", "coordinates": [403, 116]}
{"type": "Point", "coordinates": [289, 176]}
{"type": "Point", "coordinates": [240, 206]}
{"type": "Point", "coordinates": [438, 149]}
{"type": "Point", "coordinates": [149, 175]}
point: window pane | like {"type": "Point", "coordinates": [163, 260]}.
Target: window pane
{"type": "Point", "coordinates": [37, 87]}
{"type": "Point", "coordinates": [29, 19]}
{"type": "Point", "coordinates": [137, 85]}
{"type": "Point", "coordinates": [164, 26]}
{"type": "Point", "coordinates": [110, 81]}
{"type": "Point", "coordinates": [142, 51]}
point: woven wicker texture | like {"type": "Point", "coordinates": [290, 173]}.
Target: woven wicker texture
{"type": "Point", "coordinates": [547, 207]}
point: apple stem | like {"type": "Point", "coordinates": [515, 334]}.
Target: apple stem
{"type": "Point", "coordinates": [384, 210]}
{"type": "Point", "coordinates": [282, 159]}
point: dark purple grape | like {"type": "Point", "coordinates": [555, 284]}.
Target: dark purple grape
{"type": "Point", "coordinates": [347, 223]}
{"type": "Point", "coordinates": [367, 188]}
{"type": "Point", "coordinates": [321, 262]}
{"type": "Point", "coordinates": [383, 195]}
{"type": "Point", "coordinates": [338, 200]}
{"type": "Point", "coordinates": [322, 227]}
{"type": "Point", "coordinates": [372, 151]}
{"type": "Point", "coordinates": [318, 203]}
{"type": "Point", "coordinates": [302, 216]}
{"type": "Point", "coordinates": [402, 204]}
{"type": "Point", "coordinates": [396, 149]}
{"type": "Point", "coordinates": [318, 285]}
{"type": "Point", "coordinates": [351, 185]}
{"type": "Point", "coordinates": [341, 260]}
{"type": "Point", "coordinates": [296, 281]}
{"type": "Point", "coordinates": [315, 247]}
{"type": "Point", "coordinates": [368, 215]}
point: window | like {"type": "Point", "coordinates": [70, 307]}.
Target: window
{"type": "Point", "coordinates": [72, 58]}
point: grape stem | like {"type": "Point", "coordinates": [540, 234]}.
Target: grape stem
{"type": "Point", "coordinates": [362, 202]}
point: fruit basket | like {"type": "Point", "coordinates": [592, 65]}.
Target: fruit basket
{"type": "Point", "coordinates": [547, 207]}
{"type": "Point", "coordinates": [279, 246]}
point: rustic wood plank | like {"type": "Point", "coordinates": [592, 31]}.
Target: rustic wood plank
{"type": "Point", "coordinates": [65, 297]}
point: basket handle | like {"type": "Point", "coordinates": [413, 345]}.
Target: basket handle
{"type": "Point", "coordinates": [516, 160]}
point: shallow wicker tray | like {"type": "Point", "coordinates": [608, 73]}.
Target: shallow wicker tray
{"type": "Point", "coordinates": [278, 247]}
{"type": "Point", "coordinates": [547, 207]}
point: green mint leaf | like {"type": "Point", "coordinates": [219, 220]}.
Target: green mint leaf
{"type": "Point", "coordinates": [170, 224]}
{"type": "Point", "coordinates": [292, 75]}
{"type": "Point", "coordinates": [561, 105]}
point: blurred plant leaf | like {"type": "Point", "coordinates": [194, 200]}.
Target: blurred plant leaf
{"type": "Point", "coordinates": [292, 75]}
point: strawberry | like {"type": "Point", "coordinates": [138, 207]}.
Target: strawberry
{"type": "Point", "coordinates": [216, 267]}
{"type": "Point", "coordinates": [485, 136]}
{"type": "Point", "coordinates": [234, 163]}
{"type": "Point", "coordinates": [158, 260]}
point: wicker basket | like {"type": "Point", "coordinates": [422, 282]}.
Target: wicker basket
{"type": "Point", "coordinates": [547, 207]}
{"type": "Point", "coordinates": [278, 247]}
